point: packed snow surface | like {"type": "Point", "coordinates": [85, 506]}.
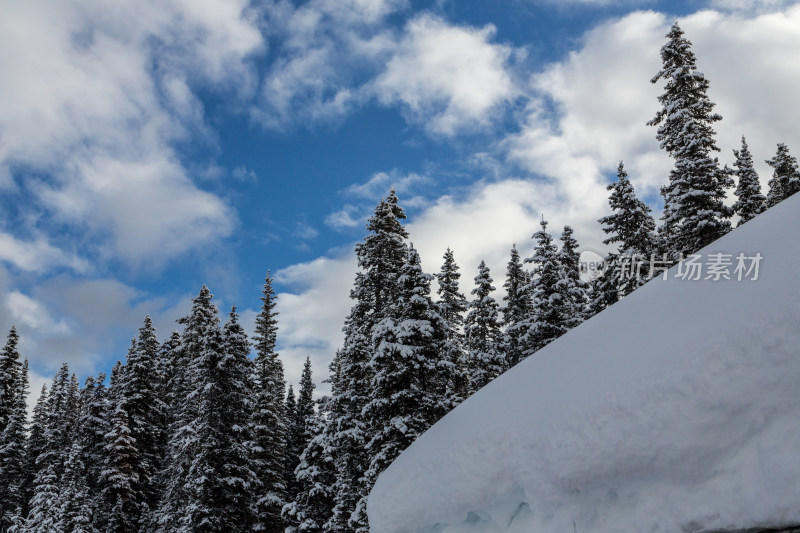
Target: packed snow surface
{"type": "Point", "coordinates": [675, 410]}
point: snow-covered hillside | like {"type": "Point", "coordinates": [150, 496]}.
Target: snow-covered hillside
{"type": "Point", "coordinates": [675, 410]}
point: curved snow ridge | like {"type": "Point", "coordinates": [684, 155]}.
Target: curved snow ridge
{"type": "Point", "coordinates": [677, 409]}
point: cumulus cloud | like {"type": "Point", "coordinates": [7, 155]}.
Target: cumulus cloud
{"type": "Point", "coordinates": [327, 50]}
{"type": "Point", "coordinates": [37, 255]}
{"type": "Point", "coordinates": [446, 77]}
{"type": "Point", "coordinates": [94, 98]}
{"type": "Point", "coordinates": [80, 322]}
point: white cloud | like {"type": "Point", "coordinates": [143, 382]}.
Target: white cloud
{"type": "Point", "coordinates": [94, 97]}
{"type": "Point", "coordinates": [244, 174]}
{"type": "Point", "coordinates": [381, 182]}
{"type": "Point", "coordinates": [347, 217]}
{"type": "Point", "coordinates": [37, 255]}
{"type": "Point", "coordinates": [67, 319]}
{"type": "Point", "coordinates": [751, 6]}
{"type": "Point", "coordinates": [325, 47]}
{"type": "Point", "coordinates": [311, 319]}
{"type": "Point", "coordinates": [448, 78]}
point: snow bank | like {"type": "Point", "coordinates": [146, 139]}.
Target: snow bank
{"type": "Point", "coordinates": [678, 409]}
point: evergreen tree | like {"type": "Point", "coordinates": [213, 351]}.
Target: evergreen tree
{"type": "Point", "coordinates": [44, 506]}
{"type": "Point", "coordinates": [452, 307]}
{"type": "Point", "coordinates": [548, 320]}
{"type": "Point", "coordinates": [573, 287]}
{"type": "Point", "coordinates": [482, 327]}
{"type": "Point", "coordinates": [10, 369]}
{"type": "Point", "coordinates": [269, 418]}
{"type": "Point", "coordinates": [631, 227]}
{"type": "Point", "coordinates": [232, 491]}
{"type": "Point", "coordinates": [76, 509]}
{"type": "Point", "coordinates": [408, 389]}
{"type": "Point", "coordinates": [748, 191]}
{"type": "Point", "coordinates": [376, 289]}
{"type": "Point", "coordinates": [785, 179]}
{"type": "Point", "coordinates": [516, 310]}
{"type": "Point", "coordinates": [119, 478]}
{"type": "Point", "coordinates": [292, 450]}
{"type": "Point", "coordinates": [299, 415]}
{"type": "Point", "coordinates": [316, 476]}
{"type": "Point", "coordinates": [12, 453]}
{"type": "Point", "coordinates": [694, 210]}
{"type": "Point", "coordinates": [183, 506]}
{"type": "Point", "coordinates": [138, 396]}
{"type": "Point", "coordinates": [93, 426]}
{"type": "Point", "coordinates": [34, 448]}
{"type": "Point", "coordinates": [604, 288]}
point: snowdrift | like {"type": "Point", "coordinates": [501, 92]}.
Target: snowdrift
{"type": "Point", "coordinates": [675, 410]}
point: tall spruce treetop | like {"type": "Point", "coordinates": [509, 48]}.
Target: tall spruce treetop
{"type": "Point", "coordinates": [408, 385]}
{"type": "Point", "coordinates": [694, 212]}
{"type": "Point", "coordinates": [139, 397]}
{"type": "Point", "coordinates": [631, 227]}
{"type": "Point", "coordinates": [547, 319]}
{"type": "Point", "coordinates": [785, 179]}
{"type": "Point", "coordinates": [376, 289]}
{"type": "Point", "coordinates": [13, 471]}
{"type": "Point", "coordinates": [383, 251]}
{"type": "Point", "coordinates": [452, 306]}
{"type": "Point", "coordinates": [516, 310]}
{"type": "Point", "coordinates": [269, 418]}
{"type": "Point", "coordinates": [10, 369]}
{"type": "Point", "coordinates": [748, 189]}
{"type": "Point", "coordinates": [486, 362]}
{"type": "Point", "coordinates": [574, 287]}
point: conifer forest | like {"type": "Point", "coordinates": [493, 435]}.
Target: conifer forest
{"type": "Point", "coordinates": [196, 430]}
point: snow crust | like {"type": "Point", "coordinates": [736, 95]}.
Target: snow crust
{"type": "Point", "coordinates": [675, 410]}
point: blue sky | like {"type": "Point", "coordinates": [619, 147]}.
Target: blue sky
{"type": "Point", "coordinates": [149, 147]}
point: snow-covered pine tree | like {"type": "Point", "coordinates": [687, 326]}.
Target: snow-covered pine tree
{"type": "Point", "coordinates": [138, 396]}
{"type": "Point", "coordinates": [10, 380]}
{"type": "Point", "coordinates": [573, 286]}
{"type": "Point", "coordinates": [409, 392]}
{"type": "Point", "coordinates": [631, 227]}
{"type": "Point", "coordinates": [236, 486]}
{"type": "Point", "coordinates": [300, 417]}
{"type": "Point", "coordinates": [785, 179]}
{"type": "Point", "coordinates": [750, 201]}
{"type": "Point", "coordinates": [316, 476]}
{"type": "Point", "coordinates": [13, 464]}
{"type": "Point", "coordinates": [694, 210]}
{"type": "Point", "coordinates": [547, 320]}
{"type": "Point", "coordinates": [119, 497]}
{"type": "Point", "coordinates": [604, 288]}
{"type": "Point", "coordinates": [34, 448]}
{"type": "Point", "coordinates": [45, 507]}
{"type": "Point", "coordinates": [293, 451]}
{"type": "Point", "coordinates": [93, 425]}
{"type": "Point", "coordinates": [482, 331]}
{"type": "Point", "coordinates": [59, 424]}
{"type": "Point", "coordinates": [269, 417]}
{"type": "Point", "coordinates": [76, 508]}
{"type": "Point", "coordinates": [516, 310]}
{"type": "Point", "coordinates": [452, 307]}
{"type": "Point", "coordinates": [376, 288]}
{"type": "Point", "coordinates": [303, 413]}
{"type": "Point", "coordinates": [10, 367]}
{"type": "Point", "coordinates": [182, 508]}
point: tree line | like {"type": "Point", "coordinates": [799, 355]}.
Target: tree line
{"type": "Point", "coordinates": [198, 432]}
